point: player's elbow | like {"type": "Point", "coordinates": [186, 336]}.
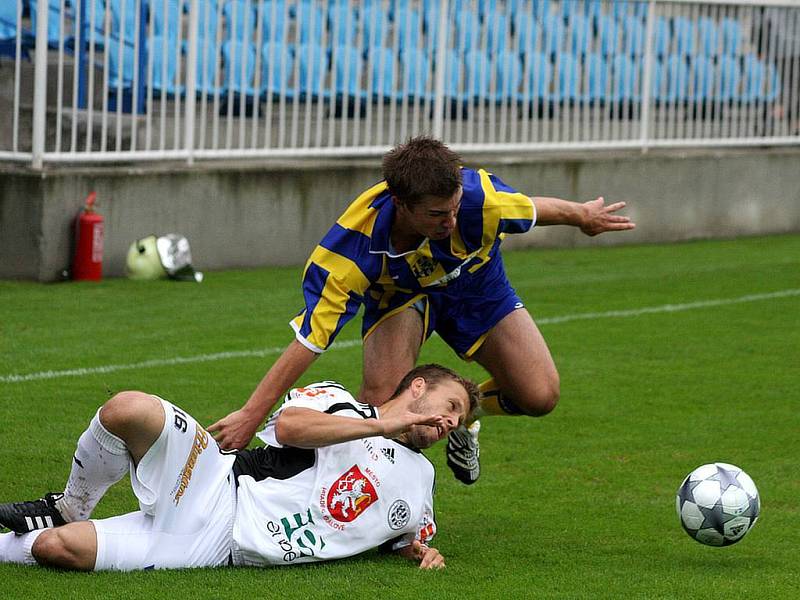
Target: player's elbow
{"type": "Point", "coordinates": [287, 429]}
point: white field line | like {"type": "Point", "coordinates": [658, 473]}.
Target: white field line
{"type": "Point", "coordinates": [182, 360]}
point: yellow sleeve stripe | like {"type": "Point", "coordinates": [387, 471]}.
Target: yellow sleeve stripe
{"type": "Point", "coordinates": [341, 268]}
{"type": "Point", "coordinates": [329, 309]}
{"type": "Point", "coordinates": [358, 216]}
{"type": "Point", "coordinates": [515, 206]}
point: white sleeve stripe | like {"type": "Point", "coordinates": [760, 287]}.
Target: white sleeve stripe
{"type": "Point", "coordinates": [315, 349]}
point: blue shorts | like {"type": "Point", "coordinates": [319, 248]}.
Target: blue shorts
{"type": "Point", "coordinates": [462, 313]}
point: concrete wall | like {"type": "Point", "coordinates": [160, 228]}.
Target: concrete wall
{"type": "Point", "coordinates": [273, 214]}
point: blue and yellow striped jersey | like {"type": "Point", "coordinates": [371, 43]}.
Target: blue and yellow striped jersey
{"type": "Point", "coordinates": [355, 258]}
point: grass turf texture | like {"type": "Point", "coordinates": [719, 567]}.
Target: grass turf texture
{"type": "Point", "coordinates": [579, 504]}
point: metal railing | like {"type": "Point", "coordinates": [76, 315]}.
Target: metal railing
{"type": "Point", "coordinates": [130, 80]}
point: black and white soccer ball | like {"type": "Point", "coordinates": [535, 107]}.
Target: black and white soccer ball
{"type": "Point", "coordinates": [718, 504]}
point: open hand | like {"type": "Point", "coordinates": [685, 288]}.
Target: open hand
{"type": "Point", "coordinates": [599, 218]}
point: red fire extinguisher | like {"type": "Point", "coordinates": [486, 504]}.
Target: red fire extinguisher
{"type": "Point", "coordinates": [88, 260]}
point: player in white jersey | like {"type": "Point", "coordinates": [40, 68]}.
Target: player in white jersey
{"type": "Point", "coordinates": [336, 477]}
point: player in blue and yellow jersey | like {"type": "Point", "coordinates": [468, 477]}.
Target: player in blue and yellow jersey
{"type": "Point", "coordinates": [421, 252]}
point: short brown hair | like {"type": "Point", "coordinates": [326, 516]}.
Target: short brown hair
{"type": "Point", "coordinates": [434, 374]}
{"type": "Point", "coordinates": [423, 166]}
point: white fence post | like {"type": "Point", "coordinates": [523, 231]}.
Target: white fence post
{"type": "Point", "coordinates": [191, 77]}
{"type": "Point", "coordinates": [648, 74]}
{"type": "Point", "coordinates": [441, 66]}
{"type": "Point", "coordinates": [40, 88]}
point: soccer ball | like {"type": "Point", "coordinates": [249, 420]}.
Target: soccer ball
{"type": "Point", "coordinates": [718, 504]}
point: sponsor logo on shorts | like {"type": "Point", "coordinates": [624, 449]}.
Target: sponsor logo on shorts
{"type": "Point", "coordinates": [200, 444]}
{"type": "Point", "coordinates": [399, 514]}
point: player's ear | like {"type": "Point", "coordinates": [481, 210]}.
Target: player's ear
{"type": "Point", "coordinates": [418, 387]}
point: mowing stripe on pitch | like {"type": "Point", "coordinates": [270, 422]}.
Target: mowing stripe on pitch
{"type": "Point", "coordinates": [182, 360]}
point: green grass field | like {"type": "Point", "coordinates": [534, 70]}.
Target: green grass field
{"type": "Point", "coordinates": [579, 504]}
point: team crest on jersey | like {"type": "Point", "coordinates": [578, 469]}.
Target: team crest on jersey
{"type": "Point", "coordinates": [423, 267]}
{"type": "Point", "coordinates": [350, 495]}
{"type": "Point", "coordinates": [399, 514]}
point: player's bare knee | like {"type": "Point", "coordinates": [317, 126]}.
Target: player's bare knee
{"type": "Point", "coordinates": [375, 395]}
{"type": "Point", "coordinates": [125, 409]}
{"type": "Point", "coordinates": [541, 399]}
{"type": "Point", "coordinates": [53, 549]}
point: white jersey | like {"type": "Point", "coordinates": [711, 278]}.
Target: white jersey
{"type": "Point", "coordinates": [297, 505]}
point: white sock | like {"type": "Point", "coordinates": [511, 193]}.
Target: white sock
{"type": "Point", "coordinates": [101, 459]}
{"type": "Point", "coordinates": [17, 548]}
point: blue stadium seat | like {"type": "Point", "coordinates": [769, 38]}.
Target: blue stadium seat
{"type": "Point", "coordinates": [478, 76]}
{"type": "Point", "coordinates": [163, 52]}
{"type": "Point", "coordinates": [731, 36]}
{"type": "Point", "coordinates": [634, 36]}
{"type": "Point", "coordinates": [683, 33]}
{"type": "Point", "coordinates": [8, 20]}
{"type": "Point", "coordinates": [454, 76]}
{"type": "Point", "coordinates": [208, 20]}
{"type": "Point", "coordinates": [376, 26]}
{"type": "Point", "coordinates": [537, 76]}
{"type": "Point", "coordinates": [498, 31]}
{"type": "Point", "coordinates": [703, 73]}
{"type": "Point", "coordinates": [239, 60]}
{"type": "Point", "coordinates": [342, 24]}
{"type": "Point", "coordinates": [662, 37]}
{"type": "Point", "coordinates": [383, 71]}
{"type": "Point", "coordinates": [240, 20]}
{"type": "Point", "coordinates": [348, 65]}
{"type": "Point", "coordinates": [120, 73]}
{"type": "Point", "coordinates": [609, 35]}
{"type": "Point", "coordinates": [310, 19]}
{"type": "Point", "coordinates": [621, 10]}
{"type": "Point", "coordinates": [313, 60]}
{"type": "Point", "coordinates": [54, 33]}
{"type": "Point", "coordinates": [580, 34]}
{"type": "Point", "coordinates": [274, 26]}
{"type": "Point", "coordinates": [625, 76]}
{"type": "Point", "coordinates": [754, 74]}
{"type": "Point", "coordinates": [593, 9]}
{"type": "Point", "coordinates": [708, 37]}
{"type": "Point", "coordinates": [553, 32]}
{"type": "Point", "coordinates": [408, 27]}
{"type": "Point", "coordinates": [541, 8]}
{"type": "Point", "coordinates": [166, 19]}
{"type": "Point", "coordinates": [728, 79]}
{"type": "Point", "coordinates": [515, 7]}
{"type": "Point", "coordinates": [508, 73]}
{"type": "Point", "coordinates": [568, 77]}
{"type": "Point", "coordinates": [208, 60]}
{"type": "Point", "coordinates": [416, 72]}
{"type": "Point", "coordinates": [277, 65]}
{"type": "Point", "coordinates": [596, 78]}
{"type": "Point", "coordinates": [467, 30]}
{"type": "Point", "coordinates": [527, 30]}
{"type": "Point", "coordinates": [675, 88]}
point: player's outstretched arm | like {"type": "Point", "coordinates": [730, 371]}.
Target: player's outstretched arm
{"type": "Point", "coordinates": [237, 429]}
{"type": "Point", "coordinates": [593, 217]}
{"type": "Point", "coordinates": [308, 428]}
{"type": "Point", "coordinates": [427, 557]}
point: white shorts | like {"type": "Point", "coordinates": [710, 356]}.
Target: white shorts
{"type": "Point", "coordinates": [186, 494]}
